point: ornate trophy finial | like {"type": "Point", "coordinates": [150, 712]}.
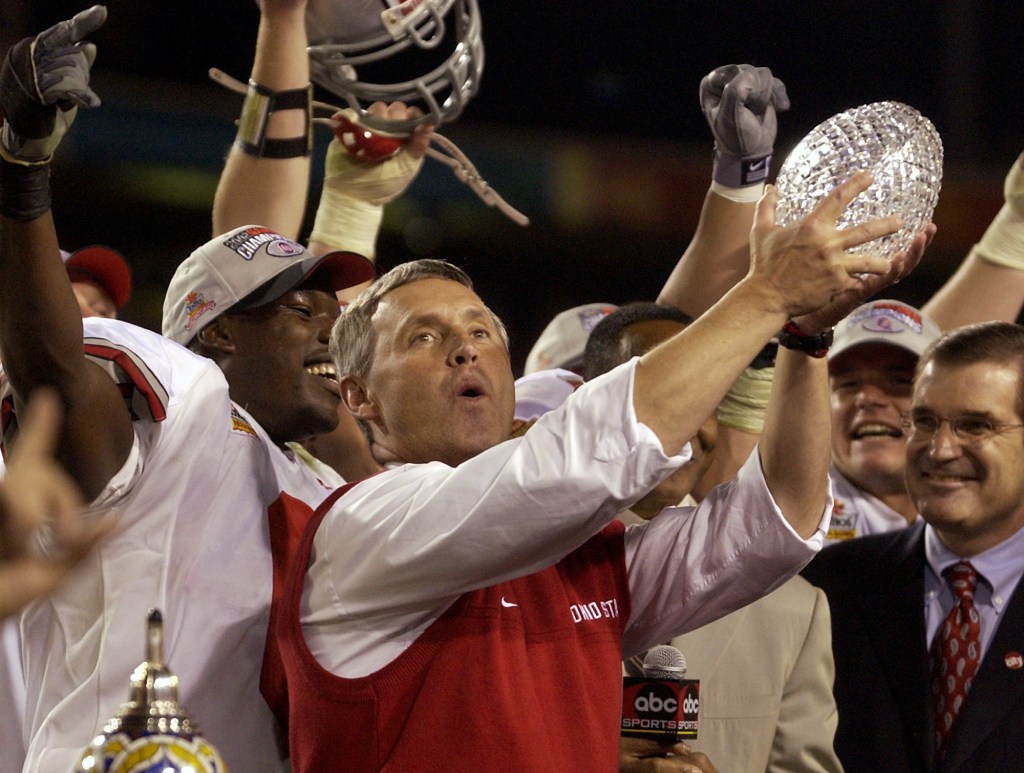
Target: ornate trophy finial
{"type": "Point", "coordinates": [151, 732]}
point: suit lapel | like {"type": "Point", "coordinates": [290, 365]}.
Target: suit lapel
{"type": "Point", "coordinates": [894, 616]}
{"type": "Point", "coordinates": [996, 690]}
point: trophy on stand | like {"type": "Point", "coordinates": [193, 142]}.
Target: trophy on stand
{"type": "Point", "coordinates": [151, 732]}
{"type": "Point", "coordinates": [892, 141]}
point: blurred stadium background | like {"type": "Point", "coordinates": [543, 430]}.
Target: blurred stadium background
{"type": "Point", "coordinates": [587, 121]}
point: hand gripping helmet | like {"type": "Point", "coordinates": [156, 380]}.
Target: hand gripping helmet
{"type": "Point", "coordinates": [424, 52]}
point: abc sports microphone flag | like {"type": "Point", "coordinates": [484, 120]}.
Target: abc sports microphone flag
{"type": "Point", "coordinates": [661, 705]}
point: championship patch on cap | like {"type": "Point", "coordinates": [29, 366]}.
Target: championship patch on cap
{"type": "Point", "coordinates": [247, 241]}
{"type": "Point", "coordinates": [885, 322]}
{"type": "Point", "coordinates": [885, 317]}
{"type": "Point", "coordinates": [247, 268]}
{"type": "Point", "coordinates": [195, 306]}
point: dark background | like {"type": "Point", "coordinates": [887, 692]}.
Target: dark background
{"type": "Point", "coordinates": [587, 120]}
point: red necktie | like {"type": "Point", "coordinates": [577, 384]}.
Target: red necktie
{"type": "Point", "coordinates": [955, 652]}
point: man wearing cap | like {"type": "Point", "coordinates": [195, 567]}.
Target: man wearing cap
{"type": "Point", "coordinates": [186, 454]}
{"type": "Point", "coordinates": [871, 371]}
{"type": "Point", "coordinates": [561, 343]}
{"type": "Point", "coordinates": [100, 279]}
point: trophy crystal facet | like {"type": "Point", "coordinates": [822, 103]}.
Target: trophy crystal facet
{"type": "Point", "coordinates": [892, 141]}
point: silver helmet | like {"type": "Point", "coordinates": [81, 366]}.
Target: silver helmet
{"type": "Point", "coordinates": [424, 52]}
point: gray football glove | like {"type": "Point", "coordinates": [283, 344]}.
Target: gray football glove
{"type": "Point", "coordinates": [43, 82]}
{"type": "Point", "coordinates": [740, 102]}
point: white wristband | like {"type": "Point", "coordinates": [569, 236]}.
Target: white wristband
{"type": "Point", "coordinates": [742, 195]}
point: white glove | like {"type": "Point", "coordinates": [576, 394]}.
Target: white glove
{"type": "Point", "coordinates": [354, 194]}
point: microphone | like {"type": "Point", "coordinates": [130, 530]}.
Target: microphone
{"type": "Point", "coordinates": [662, 705]}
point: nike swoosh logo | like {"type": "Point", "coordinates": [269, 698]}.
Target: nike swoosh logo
{"type": "Point", "coordinates": [756, 166]}
{"type": "Point", "coordinates": [507, 604]}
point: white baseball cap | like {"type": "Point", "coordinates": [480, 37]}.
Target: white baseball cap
{"type": "Point", "coordinates": [885, 322]}
{"type": "Point", "coordinates": [562, 342]}
{"type": "Point", "coordinates": [244, 269]}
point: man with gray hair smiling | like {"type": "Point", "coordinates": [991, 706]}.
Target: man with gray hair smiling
{"type": "Point", "coordinates": [436, 596]}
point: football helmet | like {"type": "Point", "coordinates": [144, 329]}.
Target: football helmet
{"type": "Point", "coordinates": [424, 52]}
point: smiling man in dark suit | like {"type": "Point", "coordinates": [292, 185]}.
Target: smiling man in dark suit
{"type": "Point", "coordinates": [943, 690]}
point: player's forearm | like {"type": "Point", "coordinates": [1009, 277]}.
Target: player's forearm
{"type": "Point", "coordinates": [715, 260]}
{"type": "Point", "coordinates": [979, 291]}
{"type": "Point", "coordinates": [40, 322]}
{"type": "Point", "coordinates": [254, 188]}
{"type": "Point", "coordinates": [41, 344]}
{"type": "Point", "coordinates": [681, 382]}
{"type": "Point", "coordinates": [794, 447]}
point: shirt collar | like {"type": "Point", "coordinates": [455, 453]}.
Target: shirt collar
{"type": "Point", "coordinates": [1001, 565]}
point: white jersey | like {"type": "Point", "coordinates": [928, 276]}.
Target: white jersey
{"type": "Point", "coordinates": [12, 697]}
{"type": "Point", "coordinates": [857, 513]}
{"type": "Point", "coordinates": [193, 540]}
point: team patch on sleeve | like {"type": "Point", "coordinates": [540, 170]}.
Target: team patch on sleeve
{"type": "Point", "coordinates": [240, 424]}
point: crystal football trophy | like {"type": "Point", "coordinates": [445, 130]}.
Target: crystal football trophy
{"type": "Point", "coordinates": [892, 141]}
{"type": "Point", "coordinates": [151, 732]}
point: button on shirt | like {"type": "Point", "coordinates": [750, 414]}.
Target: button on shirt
{"type": "Point", "coordinates": [999, 569]}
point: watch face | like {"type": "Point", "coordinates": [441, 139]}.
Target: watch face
{"type": "Point", "coordinates": [895, 143]}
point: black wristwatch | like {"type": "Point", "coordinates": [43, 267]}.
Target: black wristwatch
{"type": "Point", "coordinates": [792, 337]}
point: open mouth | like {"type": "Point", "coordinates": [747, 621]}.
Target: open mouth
{"type": "Point", "coordinates": [324, 369]}
{"type": "Point", "coordinates": [875, 430]}
{"type": "Point", "coordinates": [946, 477]}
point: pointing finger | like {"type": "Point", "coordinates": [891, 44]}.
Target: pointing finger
{"type": "Point", "coordinates": [70, 32]}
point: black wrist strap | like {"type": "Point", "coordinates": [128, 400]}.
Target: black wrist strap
{"type": "Point", "coordinates": [791, 337]}
{"type": "Point", "coordinates": [260, 102]}
{"type": "Point", "coordinates": [24, 190]}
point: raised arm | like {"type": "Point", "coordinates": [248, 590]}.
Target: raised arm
{"type": "Point", "coordinates": [989, 284]}
{"type": "Point", "coordinates": [267, 172]}
{"type": "Point", "coordinates": [740, 103]}
{"type": "Point", "coordinates": [361, 178]}
{"type": "Point", "coordinates": [794, 270]}
{"type": "Point", "coordinates": [266, 175]}
{"type": "Point", "coordinates": [42, 84]}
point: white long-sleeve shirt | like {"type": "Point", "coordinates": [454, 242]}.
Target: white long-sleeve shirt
{"type": "Point", "coordinates": [399, 548]}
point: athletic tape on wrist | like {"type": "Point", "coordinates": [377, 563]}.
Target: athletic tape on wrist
{"type": "Point", "coordinates": [746, 403]}
{"type": "Point", "coordinates": [346, 223]}
{"type": "Point", "coordinates": [1003, 241]}
{"type": "Point", "coordinates": [260, 103]}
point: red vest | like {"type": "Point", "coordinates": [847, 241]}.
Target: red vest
{"type": "Point", "coordinates": [520, 676]}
